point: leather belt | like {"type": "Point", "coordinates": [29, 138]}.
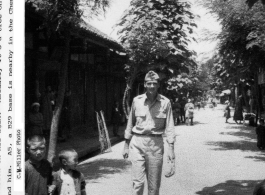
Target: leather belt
{"type": "Point", "coordinates": [151, 135]}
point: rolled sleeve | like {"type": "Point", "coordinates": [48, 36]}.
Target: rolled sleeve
{"type": "Point", "coordinates": [169, 131]}
{"type": "Point", "coordinates": [130, 123]}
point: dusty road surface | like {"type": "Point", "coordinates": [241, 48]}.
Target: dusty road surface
{"type": "Point", "coordinates": [212, 157]}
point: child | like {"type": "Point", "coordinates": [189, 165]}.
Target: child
{"type": "Point", "coordinates": [260, 131]}
{"type": "Point", "coordinates": [227, 111]}
{"type": "Point", "coordinates": [68, 180]}
{"type": "Point", "coordinates": [189, 112]}
{"type": "Point", "coordinates": [38, 171]}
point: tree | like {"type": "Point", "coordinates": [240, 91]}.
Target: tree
{"type": "Point", "coordinates": [156, 34]}
{"type": "Point", "coordinates": [60, 18]}
{"type": "Point", "coordinates": [241, 47]}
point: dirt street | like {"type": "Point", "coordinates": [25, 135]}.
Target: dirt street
{"type": "Point", "coordinates": [212, 157]}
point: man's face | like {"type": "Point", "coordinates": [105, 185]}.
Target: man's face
{"type": "Point", "coordinates": [151, 86]}
{"type": "Point", "coordinates": [37, 150]}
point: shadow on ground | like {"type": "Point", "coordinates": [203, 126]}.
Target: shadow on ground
{"type": "Point", "coordinates": [235, 145]}
{"type": "Point", "coordinates": [194, 123]}
{"type": "Point", "coordinates": [247, 142]}
{"type": "Point", "coordinates": [231, 187]}
{"type": "Point", "coordinates": [102, 168]}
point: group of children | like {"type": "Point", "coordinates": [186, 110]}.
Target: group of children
{"type": "Point", "coordinates": [39, 178]}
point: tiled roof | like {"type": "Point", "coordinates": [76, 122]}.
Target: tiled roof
{"type": "Point", "coordinates": [98, 33]}
{"type": "Point", "coordinates": [87, 27]}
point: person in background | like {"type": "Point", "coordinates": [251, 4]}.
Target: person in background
{"type": "Point", "coordinates": [176, 111]}
{"type": "Point", "coordinates": [260, 131]}
{"type": "Point", "coordinates": [38, 171]}
{"type": "Point", "coordinates": [251, 104]}
{"type": "Point", "coordinates": [116, 117]}
{"type": "Point", "coordinates": [213, 103]}
{"type": "Point", "coordinates": [227, 111]}
{"type": "Point", "coordinates": [203, 103]}
{"type": "Point", "coordinates": [199, 104]}
{"type": "Point", "coordinates": [189, 112]}
{"type": "Point", "coordinates": [182, 111]}
{"type": "Point", "coordinates": [150, 117]}
{"type": "Point", "coordinates": [238, 115]}
{"type": "Point", "coordinates": [35, 120]}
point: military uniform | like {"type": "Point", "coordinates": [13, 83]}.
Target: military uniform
{"type": "Point", "coordinates": [146, 124]}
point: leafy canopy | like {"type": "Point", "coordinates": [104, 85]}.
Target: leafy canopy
{"type": "Point", "coordinates": [241, 41]}
{"type": "Point", "coordinates": [156, 34]}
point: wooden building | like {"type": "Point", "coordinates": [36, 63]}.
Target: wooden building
{"type": "Point", "coordinates": [95, 73]}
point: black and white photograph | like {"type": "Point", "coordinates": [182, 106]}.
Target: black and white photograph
{"type": "Point", "coordinates": [143, 97]}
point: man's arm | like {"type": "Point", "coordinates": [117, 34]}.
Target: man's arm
{"type": "Point", "coordinates": [170, 132]}
{"type": "Point", "coordinates": [128, 132]}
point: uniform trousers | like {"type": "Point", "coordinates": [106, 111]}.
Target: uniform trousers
{"type": "Point", "coordinates": [146, 154]}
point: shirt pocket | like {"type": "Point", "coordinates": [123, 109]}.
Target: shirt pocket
{"type": "Point", "coordinates": [160, 119]}
{"type": "Point", "coordinates": [140, 117]}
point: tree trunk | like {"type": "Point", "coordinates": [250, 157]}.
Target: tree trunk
{"type": "Point", "coordinates": [256, 95]}
{"type": "Point", "coordinates": [60, 98]}
{"type": "Point", "coordinates": [127, 94]}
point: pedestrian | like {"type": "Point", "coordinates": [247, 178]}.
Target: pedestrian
{"type": "Point", "coordinates": [116, 117]}
{"type": "Point", "coordinates": [182, 111]}
{"type": "Point", "coordinates": [260, 131]}
{"type": "Point", "coordinates": [150, 117]}
{"type": "Point", "coordinates": [203, 103]}
{"type": "Point", "coordinates": [176, 111]}
{"type": "Point", "coordinates": [251, 104]}
{"type": "Point", "coordinates": [189, 112]}
{"type": "Point", "coordinates": [213, 103]}
{"type": "Point", "coordinates": [227, 111]}
{"type": "Point", "coordinates": [238, 115]}
{"type": "Point", "coordinates": [35, 120]}
{"type": "Point", "coordinates": [38, 171]}
{"type": "Point", "coordinates": [199, 104]}
{"type": "Point", "coordinates": [260, 188]}
{"type": "Point", "coordinates": [68, 180]}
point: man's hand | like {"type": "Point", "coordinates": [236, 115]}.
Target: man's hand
{"type": "Point", "coordinates": [125, 152]}
{"type": "Point", "coordinates": [171, 161]}
{"type": "Point", "coordinates": [171, 153]}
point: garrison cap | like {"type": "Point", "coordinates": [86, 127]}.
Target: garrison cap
{"type": "Point", "coordinates": [151, 75]}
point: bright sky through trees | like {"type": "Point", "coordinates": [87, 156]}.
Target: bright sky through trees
{"type": "Point", "coordinates": [206, 22]}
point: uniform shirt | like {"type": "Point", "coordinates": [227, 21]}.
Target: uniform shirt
{"type": "Point", "coordinates": [37, 178]}
{"type": "Point", "coordinates": [151, 118]}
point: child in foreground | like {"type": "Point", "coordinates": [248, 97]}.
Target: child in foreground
{"type": "Point", "coordinates": [68, 180]}
{"type": "Point", "coordinates": [38, 171]}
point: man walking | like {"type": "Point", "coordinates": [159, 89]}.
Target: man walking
{"type": "Point", "coordinates": [150, 117]}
